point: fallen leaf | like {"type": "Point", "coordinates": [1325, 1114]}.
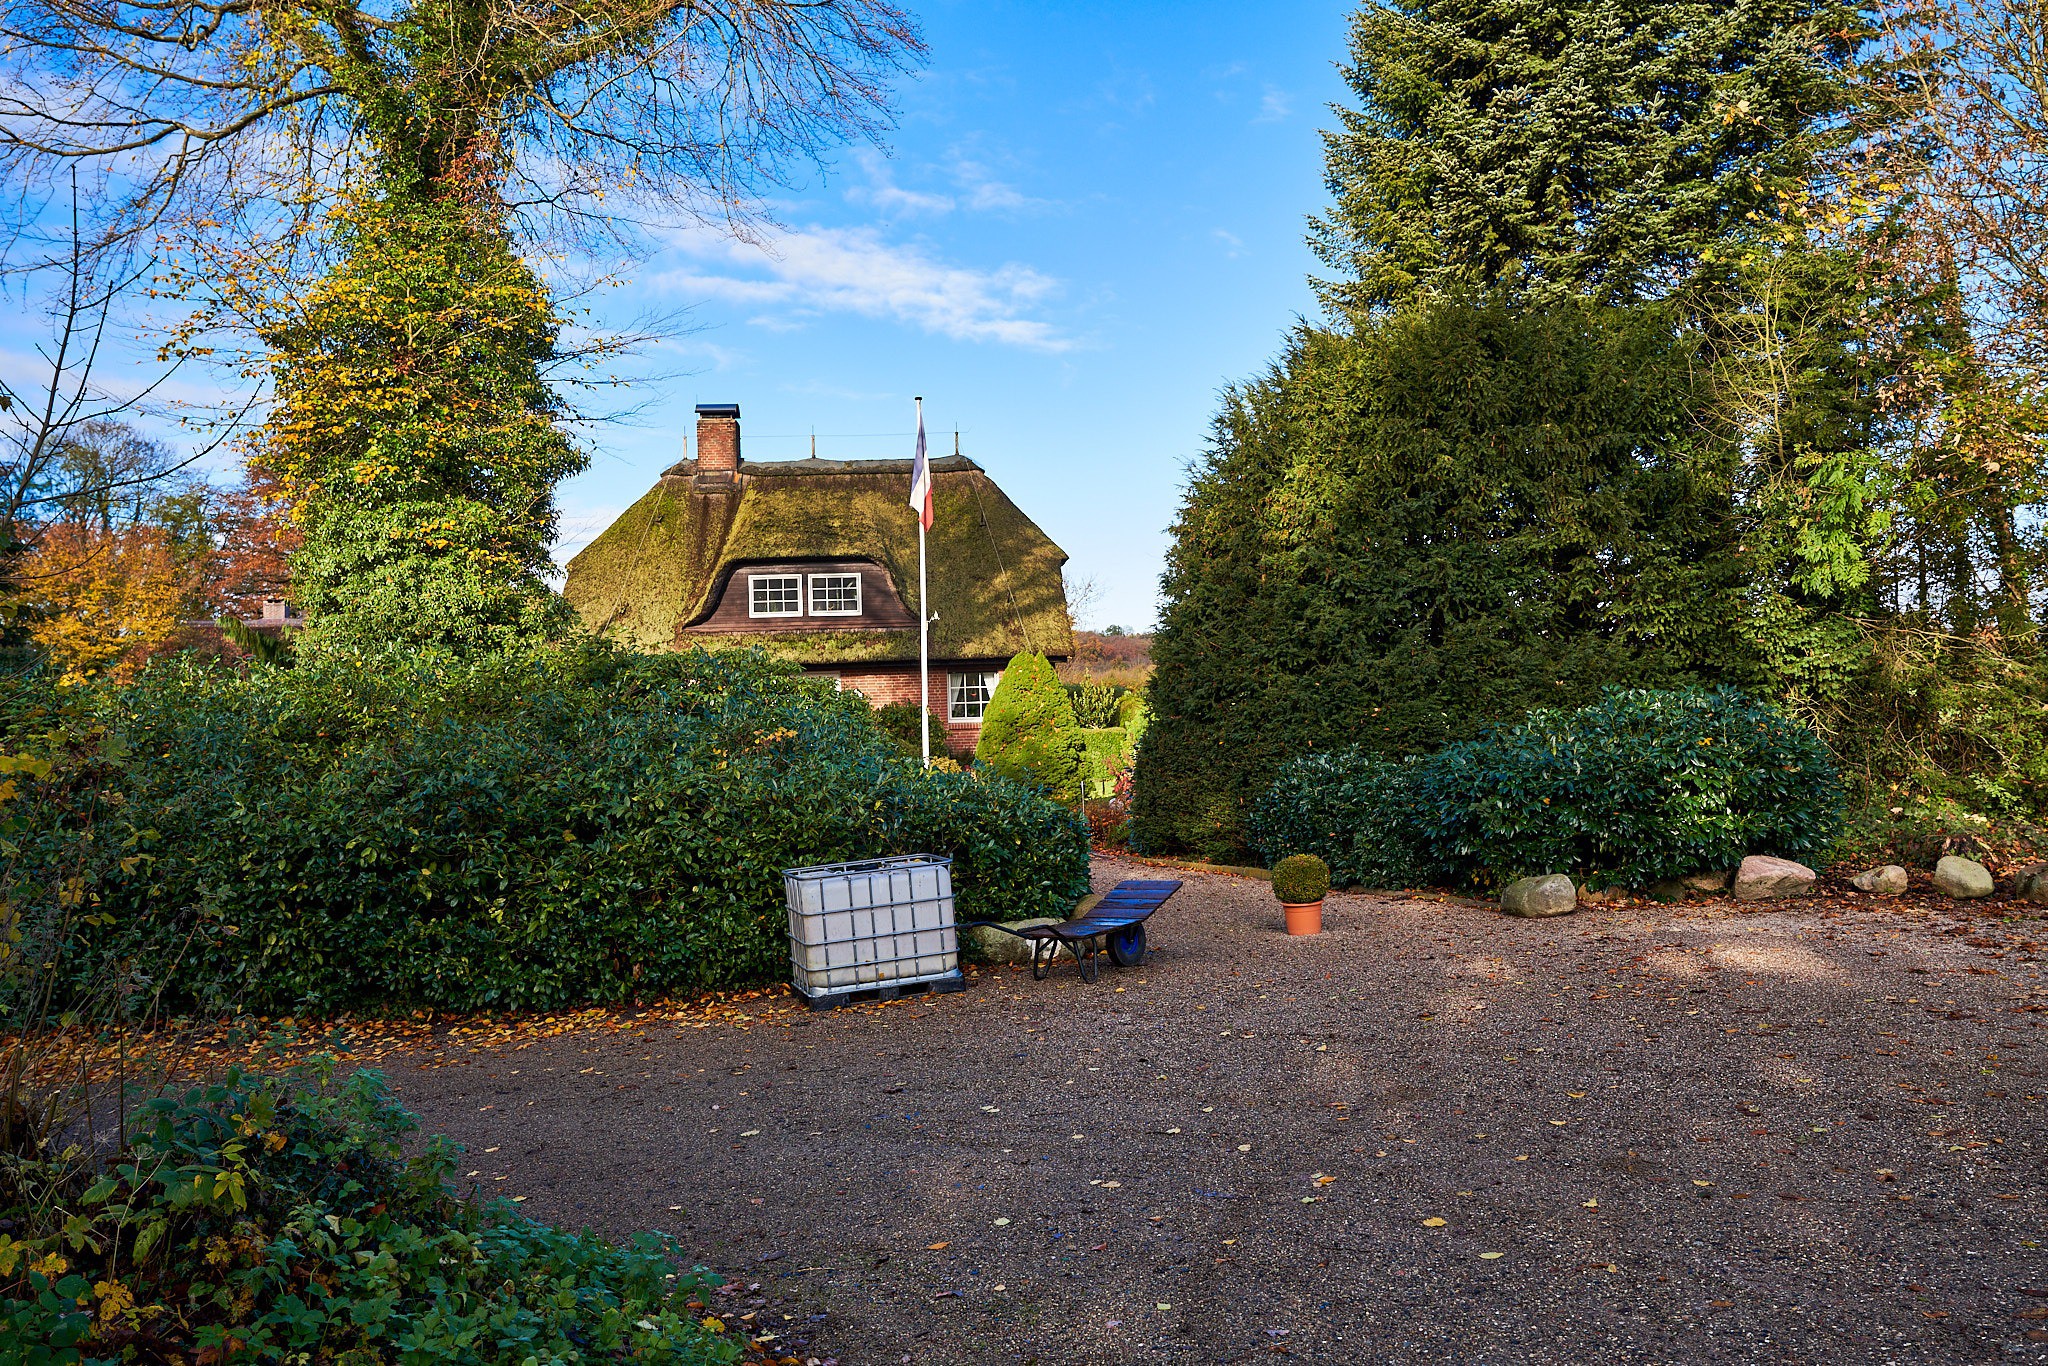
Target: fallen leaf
{"type": "Point", "coordinates": [1001, 1222]}
{"type": "Point", "coordinates": [936, 1247]}
{"type": "Point", "coordinates": [1434, 1221]}
{"type": "Point", "coordinates": [1491, 1256]}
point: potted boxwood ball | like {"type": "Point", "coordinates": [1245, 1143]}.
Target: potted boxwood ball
{"type": "Point", "coordinates": [1300, 881]}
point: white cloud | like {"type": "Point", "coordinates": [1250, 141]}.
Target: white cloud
{"type": "Point", "coordinates": [1274, 106]}
{"type": "Point", "coordinates": [1233, 245]}
{"type": "Point", "coordinates": [856, 270]}
{"type": "Point", "coordinates": [882, 192]}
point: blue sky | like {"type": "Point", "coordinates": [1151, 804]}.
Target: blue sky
{"type": "Point", "coordinates": [1090, 220]}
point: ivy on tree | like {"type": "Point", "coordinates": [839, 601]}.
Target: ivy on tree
{"type": "Point", "coordinates": [415, 433]}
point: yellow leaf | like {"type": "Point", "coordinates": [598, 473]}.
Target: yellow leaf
{"type": "Point", "coordinates": [1434, 1221]}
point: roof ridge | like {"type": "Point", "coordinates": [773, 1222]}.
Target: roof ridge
{"type": "Point", "coordinates": [945, 464]}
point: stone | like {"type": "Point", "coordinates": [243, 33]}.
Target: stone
{"type": "Point", "coordinates": [1590, 897]}
{"type": "Point", "coordinates": [1538, 896]}
{"type": "Point", "coordinates": [980, 944]}
{"type": "Point", "coordinates": [1668, 890]}
{"type": "Point", "coordinates": [1962, 878]}
{"type": "Point", "coordinates": [2031, 882]}
{"type": "Point", "coordinates": [1085, 905]}
{"type": "Point", "coordinates": [1763, 878]}
{"type": "Point", "coordinates": [1888, 880]}
{"type": "Point", "coordinates": [1714, 881]}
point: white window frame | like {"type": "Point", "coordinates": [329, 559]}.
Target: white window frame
{"type": "Point", "coordinates": [811, 588]}
{"type": "Point", "coordinates": [754, 601]}
{"type": "Point", "coordinates": [955, 707]}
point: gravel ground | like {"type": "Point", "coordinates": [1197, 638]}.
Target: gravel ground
{"type": "Point", "coordinates": [1432, 1134]}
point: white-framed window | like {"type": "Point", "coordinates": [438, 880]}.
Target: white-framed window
{"type": "Point", "coordinates": [835, 595]}
{"type": "Point", "coordinates": [775, 595]}
{"type": "Point", "coordinates": [967, 695]}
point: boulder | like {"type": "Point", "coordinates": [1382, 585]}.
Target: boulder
{"type": "Point", "coordinates": [980, 944]}
{"type": "Point", "coordinates": [2031, 882]}
{"type": "Point", "coordinates": [1762, 878]}
{"type": "Point", "coordinates": [1715, 881]}
{"type": "Point", "coordinates": [1669, 889]}
{"type": "Point", "coordinates": [1537, 896]}
{"type": "Point", "coordinates": [1085, 905]}
{"type": "Point", "coordinates": [1962, 878]}
{"type": "Point", "coordinates": [1888, 880]}
{"type": "Point", "coordinates": [1589, 896]}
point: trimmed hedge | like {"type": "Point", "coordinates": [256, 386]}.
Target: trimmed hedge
{"type": "Point", "coordinates": [413, 829]}
{"type": "Point", "coordinates": [1641, 786]}
{"type": "Point", "coordinates": [280, 1219]}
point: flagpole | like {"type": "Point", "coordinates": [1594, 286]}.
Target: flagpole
{"type": "Point", "coordinates": [924, 618]}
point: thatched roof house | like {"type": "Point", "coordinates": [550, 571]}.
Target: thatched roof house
{"type": "Point", "coordinates": [817, 560]}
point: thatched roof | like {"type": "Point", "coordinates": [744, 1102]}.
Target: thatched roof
{"type": "Point", "coordinates": [995, 577]}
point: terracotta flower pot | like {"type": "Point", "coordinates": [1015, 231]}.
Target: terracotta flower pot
{"type": "Point", "coordinates": [1306, 918]}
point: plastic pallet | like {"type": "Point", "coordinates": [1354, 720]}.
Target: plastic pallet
{"type": "Point", "coordinates": [886, 991]}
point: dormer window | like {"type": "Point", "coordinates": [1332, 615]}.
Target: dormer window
{"type": "Point", "coordinates": [835, 595]}
{"type": "Point", "coordinates": [775, 595]}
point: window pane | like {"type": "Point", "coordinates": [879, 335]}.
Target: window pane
{"type": "Point", "coordinates": [776, 595]}
{"type": "Point", "coordinates": [835, 595]}
{"type": "Point", "coordinates": [968, 695]}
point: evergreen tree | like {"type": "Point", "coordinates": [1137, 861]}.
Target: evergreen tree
{"type": "Point", "coordinates": [1403, 534]}
{"type": "Point", "coordinates": [1602, 148]}
{"type": "Point", "coordinates": [414, 433]}
{"type": "Point", "coordinates": [1029, 733]}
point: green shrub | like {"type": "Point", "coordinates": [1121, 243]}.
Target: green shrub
{"type": "Point", "coordinates": [1642, 785]}
{"type": "Point", "coordinates": [416, 829]}
{"type": "Point", "coordinates": [1104, 753]}
{"type": "Point", "coordinates": [898, 721]}
{"type": "Point", "coordinates": [1097, 706]}
{"type": "Point", "coordinates": [1028, 734]}
{"type": "Point", "coordinates": [1300, 879]}
{"type": "Point", "coordinates": [1348, 807]}
{"type": "Point", "coordinates": [279, 1218]}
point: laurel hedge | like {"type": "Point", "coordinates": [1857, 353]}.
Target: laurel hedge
{"type": "Point", "coordinates": [417, 829]}
{"type": "Point", "coordinates": [1644, 784]}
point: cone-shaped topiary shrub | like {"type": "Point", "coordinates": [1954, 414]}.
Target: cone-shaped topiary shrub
{"type": "Point", "coordinates": [1029, 733]}
{"type": "Point", "coordinates": [1300, 879]}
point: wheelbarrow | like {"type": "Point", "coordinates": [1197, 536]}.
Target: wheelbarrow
{"type": "Point", "coordinates": [1114, 925]}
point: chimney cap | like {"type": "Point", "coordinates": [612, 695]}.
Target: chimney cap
{"type": "Point", "coordinates": [731, 410]}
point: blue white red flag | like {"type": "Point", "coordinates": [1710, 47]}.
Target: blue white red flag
{"type": "Point", "coordinates": [921, 478]}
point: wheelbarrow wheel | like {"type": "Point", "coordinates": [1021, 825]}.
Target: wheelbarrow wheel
{"type": "Point", "coordinates": [1127, 946]}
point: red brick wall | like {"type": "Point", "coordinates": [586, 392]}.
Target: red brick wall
{"type": "Point", "coordinates": [718, 445]}
{"type": "Point", "coordinates": [886, 684]}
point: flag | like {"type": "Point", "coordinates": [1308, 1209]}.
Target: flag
{"type": "Point", "coordinates": [921, 477]}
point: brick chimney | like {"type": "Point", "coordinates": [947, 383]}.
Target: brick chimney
{"type": "Point", "coordinates": [718, 440]}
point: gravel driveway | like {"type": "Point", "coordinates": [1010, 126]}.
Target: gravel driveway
{"type": "Point", "coordinates": [1432, 1134]}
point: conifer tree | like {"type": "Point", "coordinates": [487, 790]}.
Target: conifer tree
{"type": "Point", "coordinates": [1029, 734]}
{"type": "Point", "coordinates": [1601, 148]}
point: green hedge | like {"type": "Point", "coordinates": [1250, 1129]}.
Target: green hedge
{"type": "Point", "coordinates": [1640, 786]}
{"type": "Point", "coordinates": [586, 825]}
{"type": "Point", "coordinates": [1348, 807]}
{"type": "Point", "coordinates": [282, 1214]}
